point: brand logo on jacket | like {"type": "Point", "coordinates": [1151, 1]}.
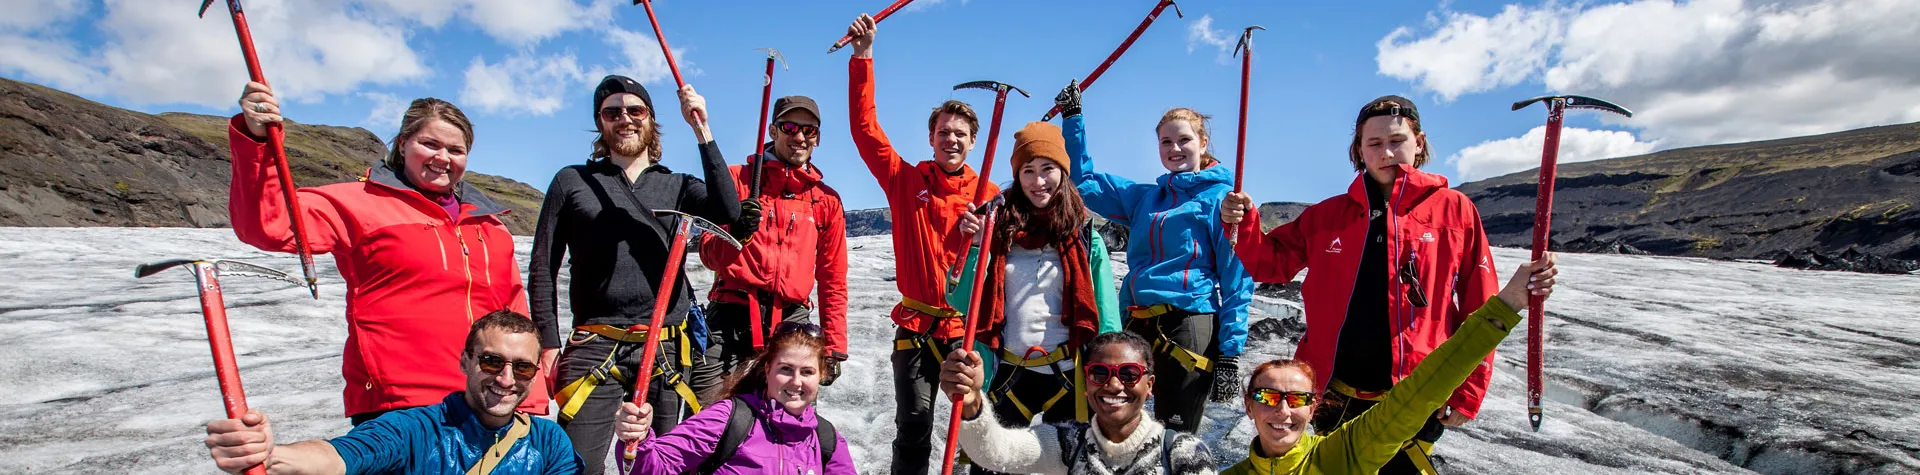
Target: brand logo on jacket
{"type": "Point", "coordinates": [1335, 248]}
{"type": "Point", "coordinates": [924, 196]}
{"type": "Point", "coordinates": [1426, 237]}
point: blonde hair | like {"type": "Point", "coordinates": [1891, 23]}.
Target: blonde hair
{"type": "Point", "coordinates": [1196, 120]}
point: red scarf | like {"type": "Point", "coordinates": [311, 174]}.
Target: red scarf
{"type": "Point", "coordinates": [1080, 313]}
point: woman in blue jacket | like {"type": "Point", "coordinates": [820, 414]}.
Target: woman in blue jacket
{"type": "Point", "coordinates": [1184, 290]}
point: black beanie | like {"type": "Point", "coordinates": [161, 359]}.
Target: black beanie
{"type": "Point", "coordinates": [615, 84]}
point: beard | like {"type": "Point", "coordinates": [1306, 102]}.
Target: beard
{"type": "Point", "coordinates": [630, 147]}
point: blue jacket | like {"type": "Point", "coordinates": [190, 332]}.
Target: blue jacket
{"type": "Point", "coordinates": [1177, 250]}
{"type": "Point", "coordinates": [447, 438]}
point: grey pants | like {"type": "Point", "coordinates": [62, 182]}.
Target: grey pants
{"type": "Point", "coordinates": [1179, 395]}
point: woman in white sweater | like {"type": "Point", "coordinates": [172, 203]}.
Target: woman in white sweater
{"type": "Point", "coordinates": [1121, 440]}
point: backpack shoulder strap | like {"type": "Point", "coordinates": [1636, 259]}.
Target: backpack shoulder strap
{"type": "Point", "coordinates": [828, 437]}
{"type": "Point", "coordinates": [522, 424]}
{"type": "Point", "coordinates": [739, 421]}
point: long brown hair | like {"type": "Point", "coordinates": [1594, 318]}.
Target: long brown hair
{"type": "Point", "coordinates": [754, 379]}
{"type": "Point", "coordinates": [1199, 123]}
{"type": "Point", "coordinates": [1058, 223]}
{"type": "Point", "coordinates": [416, 117]}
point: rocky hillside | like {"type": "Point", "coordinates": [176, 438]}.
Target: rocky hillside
{"type": "Point", "coordinates": [1855, 189]}
{"type": "Point", "coordinates": [69, 161]}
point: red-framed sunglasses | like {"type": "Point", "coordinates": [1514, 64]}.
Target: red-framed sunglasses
{"type": "Point", "coordinates": [796, 128]}
{"type": "Point", "coordinates": [1129, 373]}
{"type": "Point", "coordinates": [1274, 398]}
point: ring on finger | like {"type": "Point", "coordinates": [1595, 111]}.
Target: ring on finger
{"type": "Point", "coordinates": [260, 107]}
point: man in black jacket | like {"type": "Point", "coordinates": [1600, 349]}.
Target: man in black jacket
{"type": "Point", "coordinates": [601, 212]}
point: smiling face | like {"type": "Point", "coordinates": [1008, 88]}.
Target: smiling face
{"type": "Point", "coordinates": [795, 148]}
{"type": "Point", "coordinates": [1040, 181]}
{"type": "Point", "coordinates": [624, 135]}
{"type": "Point", "coordinates": [1181, 146]}
{"type": "Point", "coordinates": [1117, 404]}
{"type": "Point", "coordinates": [793, 378]}
{"type": "Point", "coordinates": [951, 138]}
{"type": "Point", "coordinates": [1279, 428]}
{"type": "Point", "coordinates": [1387, 142]}
{"type": "Point", "coordinates": [497, 394]}
{"type": "Point", "coordinates": [435, 156]}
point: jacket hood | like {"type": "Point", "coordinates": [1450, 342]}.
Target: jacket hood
{"type": "Point", "coordinates": [1412, 182]}
{"type": "Point", "coordinates": [1192, 183]}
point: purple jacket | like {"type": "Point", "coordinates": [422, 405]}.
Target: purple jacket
{"type": "Point", "coordinates": [690, 443]}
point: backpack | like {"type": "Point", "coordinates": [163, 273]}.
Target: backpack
{"type": "Point", "coordinates": [741, 419]}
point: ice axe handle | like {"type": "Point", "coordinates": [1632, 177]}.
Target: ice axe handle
{"type": "Point", "coordinates": [662, 301]}
{"type": "Point", "coordinates": [225, 368]}
{"type": "Point", "coordinates": [1542, 224]}
{"type": "Point", "coordinates": [664, 50]}
{"type": "Point", "coordinates": [1115, 56]}
{"type": "Point", "coordinates": [844, 40]}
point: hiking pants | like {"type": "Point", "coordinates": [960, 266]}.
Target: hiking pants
{"type": "Point", "coordinates": [916, 379]}
{"type": "Point", "coordinates": [1179, 394]}
{"type": "Point", "coordinates": [730, 345]}
{"type": "Point", "coordinates": [592, 427]}
{"type": "Point", "coordinates": [1336, 409]}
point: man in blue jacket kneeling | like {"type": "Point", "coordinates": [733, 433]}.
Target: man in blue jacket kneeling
{"type": "Point", "coordinates": [475, 431]}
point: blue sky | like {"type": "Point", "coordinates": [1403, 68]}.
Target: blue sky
{"type": "Point", "coordinates": [524, 71]}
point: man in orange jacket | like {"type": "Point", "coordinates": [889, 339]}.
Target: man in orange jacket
{"type": "Point", "coordinates": [772, 278]}
{"type": "Point", "coordinates": [925, 201]}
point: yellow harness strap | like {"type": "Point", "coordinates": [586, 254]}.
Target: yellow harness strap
{"type": "Point", "coordinates": [923, 307]}
{"type": "Point", "coordinates": [1059, 353]}
{"type": "Point", "coordinates": [1188, 359]}
{"type": "Point", "coordinates": [1150, 311]}
{"type": "Point", "coordinates": [575, 393]}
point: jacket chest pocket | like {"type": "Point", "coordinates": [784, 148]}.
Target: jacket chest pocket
{"type": "Point", "coordinates": [1432, 253]}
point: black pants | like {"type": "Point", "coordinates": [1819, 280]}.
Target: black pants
{"type": "Point", "coordinates": [916, 378]}
{"type": "Point", "coordinates": [592, 427]}
{"type": "Point", "coordinates": [730, 344]}
{"type": "Point", "coordinates": [1032, 389]}
{"type": "Point", "coordinates": [1336, 409]}
{"type": "Point", "coordinates": [1179, 395]}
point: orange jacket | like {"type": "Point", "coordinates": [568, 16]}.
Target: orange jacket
{"type": "Point", "coordinates": [416, 279]}
{"type": "Point", "coordinates": [802, 242]}
{"type": "Point", "coordinates": [1431, 226]}
{"type": "Point", "coordinates": [924, 203]}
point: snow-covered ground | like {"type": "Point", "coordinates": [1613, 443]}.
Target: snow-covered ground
{"type": "Point", "coordinates": [1660, 365]}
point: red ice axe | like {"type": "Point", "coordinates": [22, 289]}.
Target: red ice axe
{"type": "Point", "coordinates": [662, 39]}
{"type": "Point", "coordinates": [1240, 149]}
{"type": "Point", "coordinates": [1088, 82]}
{"type": "Point", "coordinates": [277, 149]}
{"type": "Point", "coordinates": [662, 301]}
{"type": "Point", "coordinates": [206, 272]}
{"type": "Point", "coordinates": [876, 21]}
{"type": "Point", "coordinates": [986, 245]}
{"type": "Point", "coordinates": [759, 164]}
{"type": "Point", "coordinates": [1542, 221]}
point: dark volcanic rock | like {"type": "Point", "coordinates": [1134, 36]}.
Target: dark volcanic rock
{"type": "Point", "coordinates": [1277, 330]}
{"type": "Point", "coordinates": [1589, 245]}
{"type": "Point", "coordinates": [868, 222]}
{"type": "Point", "coordinates": [1851, 260]}
{"type": "Point", "coordinates": [69, 161]}
{"type": "Point", "coordinates": [1855, 189]}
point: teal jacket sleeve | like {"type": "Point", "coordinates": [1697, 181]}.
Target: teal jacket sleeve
{"type": "Point", "coordinates": [1105, 194]}
{"type": "Point", "coordinates": [1235, 287]}
{"type": "Point", "coordinates": [380, 445]}
{"type": "Point", "coordinates": [1105, 290]}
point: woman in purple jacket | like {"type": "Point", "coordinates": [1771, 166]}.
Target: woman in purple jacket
{"type": "Point", "coordinates": [785, 435]}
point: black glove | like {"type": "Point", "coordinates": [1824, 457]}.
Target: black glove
{"type": "Point", "coordinates": [1069, 99]}
{"type": "Point", "coordinates": [1226, 379]}
{"type": "Point", "coordinates": [749, 222]}
{"type": "Point", "coordinates": [833, 371]}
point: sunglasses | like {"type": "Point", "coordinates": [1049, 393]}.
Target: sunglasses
{"type": "Point", "coordinates": [1273, 398]}
{"type": "Point", "coordinates": [1129, 373]}
{"type": "Point", "coordinates": [494, 364]}
{"type": "Point", "coordinates": [801, 327]}
{"type": "Point", "coordinates": [795, 128]}
{"type": "Point", "coordinates": [611, 114]}
{"type": "Point", "coordinates": [1409, 275]}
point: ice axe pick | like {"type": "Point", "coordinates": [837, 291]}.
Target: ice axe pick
{"type": "Point", "coordinates": [1240, 148]}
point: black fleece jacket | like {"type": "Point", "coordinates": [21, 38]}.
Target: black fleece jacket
{"type": "Point", "coordinates": [617, 249]}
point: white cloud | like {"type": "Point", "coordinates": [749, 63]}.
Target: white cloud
{"type": "Point", "coordinates": [1472, 53]}
{"type": "Point", "coordinates": [529, 21]}
{"type": "Point", "coordinates": [1502, 156]}
{"type": "Point", "coordinates": [1201, 35]}
{"type": "Point", "coordinates": [384, 117]}
{"type": "Point", "coordinates": [36, 14]}
{"type": "Point", "coordinates": [1696, 72]}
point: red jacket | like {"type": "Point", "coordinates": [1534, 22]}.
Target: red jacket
{"type": "Point", "coordinates": [1435, 226]}
{"type": "Point", "coordinates": [416, 280]}
{"type": "Point", "coordinates": [802, 242]}
{"type": "Point", "coordinates": [924, 202]}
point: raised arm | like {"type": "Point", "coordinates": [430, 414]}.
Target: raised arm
{"type": "Point", "coordinates": [1274, 257]}
{"type": "Point", "coordinates": [871, 141]}
{"type": "Point", "coordinates": [714, 198]}
{"type": "Point", "coordinates": [258, 209]}
{"type": "Point", "coordinates": [1104, 194]}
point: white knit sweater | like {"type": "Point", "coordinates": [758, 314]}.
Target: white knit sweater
{"type": "Point", "coordinates": [1061, 449]}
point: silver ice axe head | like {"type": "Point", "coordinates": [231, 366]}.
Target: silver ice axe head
{"type": "Point", "coordinates": [223, 266]}
{"type": "Point", "coordinates": [1246, 39]}
{"type": "Point", "coordinates": [1577, 102]}
{"type": "Point", "coordinates": [774, 54]}
{"type": "Point", "coordinates": [704, 225]}
{"type": "Point", "coordinates": [995, 86]}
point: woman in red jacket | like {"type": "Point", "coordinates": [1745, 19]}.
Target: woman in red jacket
{"type": "Point", "coordinates": [1398, 237]}
{"type": "Point", "coordinates": [423, 253]}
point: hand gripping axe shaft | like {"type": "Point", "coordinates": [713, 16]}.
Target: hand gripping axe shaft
{"type": "Point", "coordinates": [276, 148]}
{"type": "Point", "coordinates": [206, 272]}
{"type": "Point", "coordinates": [760, 146]}
{"type": "Point", "coordinates": [1542, 220]}
{"type": "Point", "coordinates": [877, 18]}
{"type": "Point", "coordinates": [1240, 148]}
{"type": "Point", "coordinates": [662, 301]}
{"type": "Point", "coordinates": [986, 243]}
{"type": "Point", "coordinates": [1115, 56]}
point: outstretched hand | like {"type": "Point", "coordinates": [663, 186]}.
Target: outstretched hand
{"type": "Point", "coordinates": [1234, 207]}
{"type": "Point", "coordinates": [258, 107]}
{"type": "Point", "coordinates": [1069, 99]}
{"type": "Point", "coordinates": [239, 444]}
{"type": "Point", "coordinates": [693, 108]}
{"type": "Point", "coordinates": [1531, 279]}
{"type": "Point", "coordinates": [862, 31]}
{"type": "Point", "coordinates": [635, 422]}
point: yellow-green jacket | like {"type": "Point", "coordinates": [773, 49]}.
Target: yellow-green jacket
{"type": "Point", "coordinates": [1366, 443]}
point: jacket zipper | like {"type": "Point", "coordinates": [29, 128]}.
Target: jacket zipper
{"type": "Point", "coordinates": [466, 267]}
{"type": "Point", "coordinates": [443, 247]}
{"type": "Point", "coordinates": [1405, 315]}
